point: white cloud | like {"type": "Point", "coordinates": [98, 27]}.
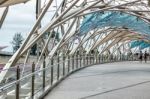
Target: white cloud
{"type": "Point", "coordinates": [20, 19]}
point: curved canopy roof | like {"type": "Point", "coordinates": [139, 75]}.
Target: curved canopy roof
{"type": "Point", "coordinates": [114, 19]}
{"type": "Point", "coordinates": [117, 19]}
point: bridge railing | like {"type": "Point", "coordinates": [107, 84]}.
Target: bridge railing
{"type": "Point", "coordinates": [39, 82]}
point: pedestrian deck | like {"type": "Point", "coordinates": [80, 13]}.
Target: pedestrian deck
{"type": "Point", "coordinates": [121, 80]}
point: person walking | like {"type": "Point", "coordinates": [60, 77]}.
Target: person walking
{"type": "Point", "coordinates": [141, 56]}
{"type": "Point", "coordinates": [145, 56]}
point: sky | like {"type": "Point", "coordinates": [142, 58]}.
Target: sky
{"type": "Point", "coordinates": [20, 19]}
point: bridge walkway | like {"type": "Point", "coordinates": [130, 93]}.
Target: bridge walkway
{"type": "Point", "coordinates": [120, 80]}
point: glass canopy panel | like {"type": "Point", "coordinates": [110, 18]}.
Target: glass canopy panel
{"type": "Point", "coordinates": [144, 45]}
{"type": "Point", "coordinates": [113, 19]}
{"type": "Point", "coordinates": [141, 44]}
{"type": "Point", "coordinates": [136, 43]}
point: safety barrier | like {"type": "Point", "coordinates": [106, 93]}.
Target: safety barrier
{"type": "Point", "coordinates": [38, 83]}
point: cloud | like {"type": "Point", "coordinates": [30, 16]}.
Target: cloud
{"type": "Point", "coordinates": [20, 19]}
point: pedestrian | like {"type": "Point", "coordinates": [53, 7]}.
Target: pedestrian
{"type": "Point", "coordinates": [141, 56]}
{"type": "Point", "coordinates": [145, 56]}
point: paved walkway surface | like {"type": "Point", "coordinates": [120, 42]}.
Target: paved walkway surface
{"type": "Point", "coordinates": [122, 80]}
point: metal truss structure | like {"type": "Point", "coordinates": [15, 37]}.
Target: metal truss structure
{"type": "Point", "coordinates": [67, 20]}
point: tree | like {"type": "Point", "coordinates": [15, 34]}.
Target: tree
{"type": "Point", "coordinates": [33, 49]}
{"type": "Point", "coordinates": [17, 41]}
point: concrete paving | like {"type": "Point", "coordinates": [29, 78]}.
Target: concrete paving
{"type": "Point", "coordinates": [122, 80]}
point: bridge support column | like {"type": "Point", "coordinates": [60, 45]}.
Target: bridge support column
{"type": "Point", "coordinates": [18, 83]}
{"type": "Point", "coordinates": [63, 65]}
{"type": "Point", "coordinates": [80, 58]}
{"type": "Point", "coordinates": [33, 80]}
{"type": "Point", "coordinates": [87, 60]}
{"type": "Point", "coordinates": [99, 59]}
{"type": "Point", "coordinates": [68, 63]}
{"type": "Point", "coordinates": [58, 67]}
{"type": "Point", "coordinates": [84, 60]}
{"type": "Point", "coordinates": [90, 59]}
{"type": "Point", "coordinates": [52, 71]}
{"type": "Point", "coordinates": [72, 62]}
{"type": "Point", "coordinates": [44, 73]}
{"type": "Point", "coordinates": [102, 58]}
{"type": "Point", "coordinates": [76, 61]}
{"type": "Point", "coordinates": [96, 58]}
{"type": "Point", "coordinates": [93, 58]}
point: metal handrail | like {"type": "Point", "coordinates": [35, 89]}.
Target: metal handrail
{"type": "Point", "coordinates": [88, 58]}
{"type": "Point", "coordinates": [29, 75]}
